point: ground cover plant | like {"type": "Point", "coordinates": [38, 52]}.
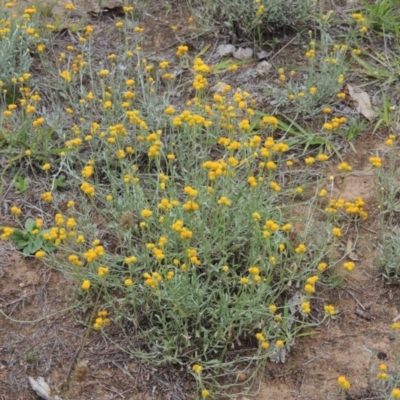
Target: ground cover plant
{"type": "Point", "coordinates": [190, 219]}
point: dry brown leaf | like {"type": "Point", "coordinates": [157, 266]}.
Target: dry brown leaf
{"type": "Point", "coordinates": [363, 101]}
{"type": "Point", "coordinates": [349, 251]}
{"type": "Point", "coordinates": [42, 389]}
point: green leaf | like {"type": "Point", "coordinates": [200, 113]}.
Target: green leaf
{"type": "Point", "coordinates": [30, 224]}
{"type": "Point", "coordinates": [27, 250]}
{"type": "Point", "coordinates": [19, 235]}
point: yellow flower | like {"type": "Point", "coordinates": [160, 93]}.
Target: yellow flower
{"type": "Point", "coordinates": [396, 326]}
{"type": "Point", "coordinates": [47, 196]}
{"type": "Point", "coordinates": [322, 157]}
{"type": "Point", "coordinates": [313, 90]}
{"type": "Point", "coordinates": [102, 271]}
{"type": "Point", "coordinates": [344, 166]}
{"type": "Point", "coordinates": [197, 368]}
{"type": "Point", "coordinates": [182, 50]}
{"type": "Point", "coordinates": [256, 216]}
{"type": "Point", "coordinates": [343, 382]}
{"type": "Point", "coordinates": [224, 201]}
{"type": "Point", "coordinates": [275, 187]}
{"type": "Point", "coordinates": [69, 7]}
{"type": "Point", "coordinates": [280, 344]}
{"type": "Point", "coordinates": [146, 213]}
{"type": "Point", "coordinates": [272, 308]}
{"type": "Point", "coordinates": [298, 190]}
{"type": "Point", "coordinates": [244, 281]}
{"type": "Point", "coordinates": [104, 72]}
{"type": "Point", "coordinates": [337, 232]}
{"type": "Point", "coordinates": [309, 160]}
{"type": "Point", "coordinates": [309, 289]}
{"type": "Point", "coordinates": [244, 124]}
{"type": "Point", "coordinates": [128, 282]}
{"type": "Point", "coordinates": [301, 248]}
{"type": "Point", "coordinates": [40, 254]}
{"type": "Point", "coordinates": [15, 210]}
{"type": "Point", "coordinates": [205, 393]}
{"type": "Point", "coordinates": [349, 266]}
{"type": "Point", "coordinates": [322, 266]}
{"type": "Point", "coordinates": [46, 167]}
{"type": "Point", "coordinates": [330, 310]}
{"type": "Point", "coordinates": [169, 110]}
{"type": "Point", "coordinates": [85, 285]}
{"type": "Point", "coordinates": [252, 181]}
{"type": "Point", "coordinates": [305, 306]}
{"type": "Point", "coordinates": [260, 337]}
{"type": "Point", "coordinates": [190, 206]}
{"type": "Point", "coordinates": [376, 162]}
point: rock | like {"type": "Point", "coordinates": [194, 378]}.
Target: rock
{"type": "Point", "coordinates": [262, 54]}
{"type": "Point", "coordinates": [263, 68]}
{"type": "Point", "coordinates": [248, 75]}
{"type": "Point", "coordinates": [224, 50]}
{"type": "Point", "coordinates": [243, 53]}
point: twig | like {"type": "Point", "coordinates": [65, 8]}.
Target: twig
{"type": "Point", "coordinates": [315, 358]}
{"type": "Point", "coordinates": [284, 47]}
{"type": "Point", "coordinates": [355, 298]}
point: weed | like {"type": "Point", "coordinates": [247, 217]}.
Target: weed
{"type": "Point", "coordinates": [195, 228]}
{"type": "Point", "coordinates": [252, 19]}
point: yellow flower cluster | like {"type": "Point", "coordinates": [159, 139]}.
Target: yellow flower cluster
{"type": "Point", "coordinates": [309, 287]}
{"type": "Point", "coordinates": [152, 280]}
{"type": "Point", "coordinates": [305, 307]}
{"type": "Point", "coordinates": [215, 168]}
{"type": "Point", "coordinates": [197, 368]}
{"type": "Point", "coordinates": [184, 233]}
{"type": "Point", "coordinates": [376, 162]}
{"type": "Point", "coordinates": [56, 235]}
{"type": "Point", "coordinates": [182, 50]}
{"type": "Point", "coordinates": [7, 232]}
{"type": "Point", "coordinates": [335, 123]}
{"type": "Point", "coordinates": [261, 340]}
{"type": "Point", "coordinates": [186, 118]}
{"type": "Point", "coordinates": [343, 383]}
{"type": "Point", "coordinates": [74, 260]}
{"type": "Point", "coordinates": [352, 208]}
{"type": "Point", "coordinates": [101, 320]}
{"type": "Point", "coordinates": [330, 310]}
{"type": "Point", "coordinates": [88, 189]}
{"type": "Point", "coordinates": [92, 254]}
